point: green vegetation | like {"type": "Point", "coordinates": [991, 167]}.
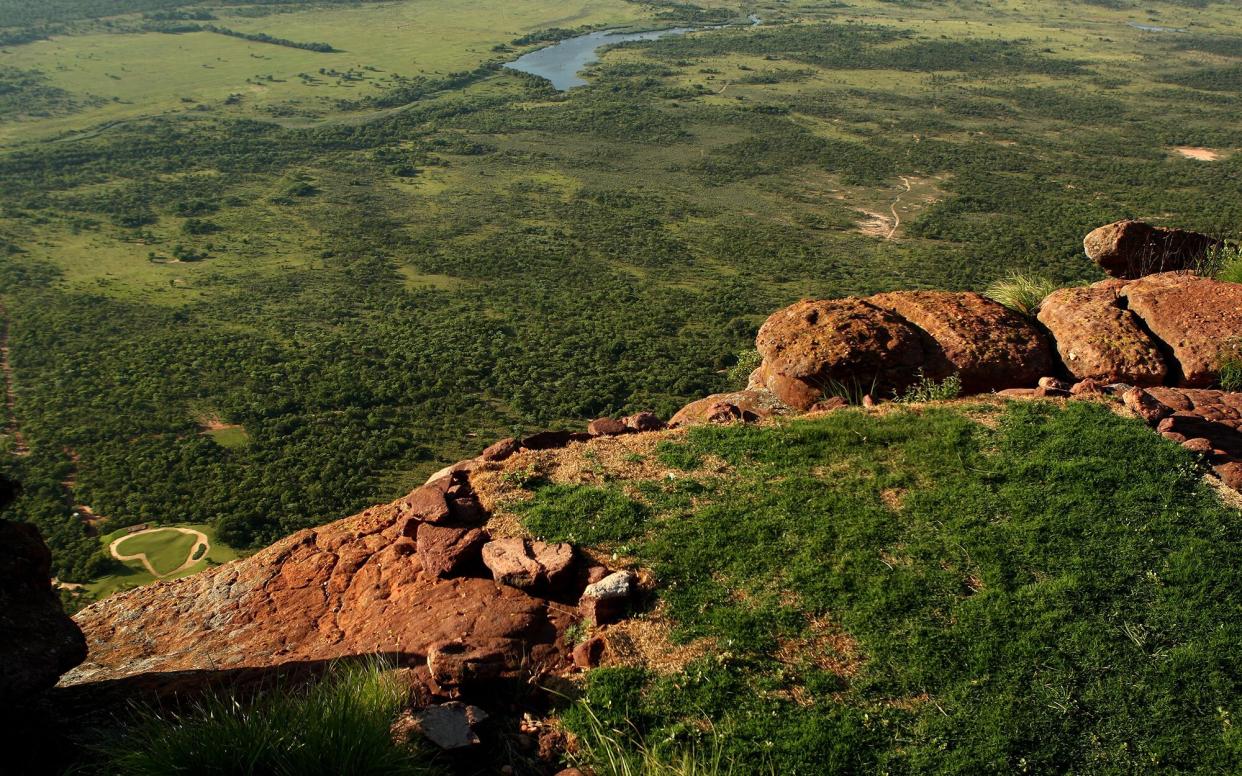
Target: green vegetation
{"type": "Point", "coordinates": [1231, 364]}
{"type": "Point", "coordinates": [617, 752]}
{"type": "Point", "coordinates": [1226, 263]}
{"type": "Point", "coordinates": [1021, 293]}
{"type": "Point", "coordinates": [583, 515]}
{"type": "Point", "coordinates": [339, 724]}
{"type": "Point", "coordinates": [375, 260]}
{"type": "Point", "coordinates": [928, 389]}
{"type": "Point", "coordinates": [1022, 588]}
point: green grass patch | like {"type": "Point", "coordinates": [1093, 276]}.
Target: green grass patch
{"type": "Point", "coordinates": [921, 593]}
{"type": "Point", "coordinates": [231, 437]}
{"type": "Point", "coordinates": [166, 549]}
{"type": "Point", "coordinates": [583, 514]}
{"type": "Point", "coordinates": [340, 724]}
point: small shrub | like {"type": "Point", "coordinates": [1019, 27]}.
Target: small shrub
{"type": "Point", "coordinates": [927, 389]}
{"type": "Point", "coordinates": [1021, 293]}
{"type": "Point", "coordinates": [340, 724]}
{"type": "Point", "coordinates": [747, 362]}
{"type": "Point", "coordinates": [1231, 365]}
{"type": "Point", "coordinates": [1225, 263]}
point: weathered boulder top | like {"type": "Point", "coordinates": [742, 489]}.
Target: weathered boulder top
{"type": "Point", "coordinates": [38, 641]}
{"type": "Point", "coordinates": [1194, 317]}
{"type": "Point", "coordinates": [1098, 339]}
{"type": "Point", "coordinates": [1132, 249]}
{"type": "Point", "coordinates": [353, 587]}
{"type": "Point", "coordinates": [814, 344]}
{"type": "Point", "coordinates": [986, 344]}
{"type": "Point", "coordinates": [882, 344]}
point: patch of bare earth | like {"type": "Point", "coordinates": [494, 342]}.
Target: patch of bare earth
{"type": "Point", "coordinates": [1200, 154]}
{"type": "Point", "coordinates": [646, 642]}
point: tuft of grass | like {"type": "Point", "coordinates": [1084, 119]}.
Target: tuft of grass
{"type": "Point", "coordinates": [1225, 263]}
{"type": "Point", "coordinates": [610, 751]}
{"type": "Point", "coordinates": [340, 724]}
{"type": "Point", "coordinates": [1231, 365]}
{"type": "Point", "coordinates": [926, 389]}
{"type": "Point", "coordinates": [1021, 293]}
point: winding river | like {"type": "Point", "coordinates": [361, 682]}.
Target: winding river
{"type": "Point", "coordinates": [561, 62]}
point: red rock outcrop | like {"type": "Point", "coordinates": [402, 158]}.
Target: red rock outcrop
{"type": "Point", "coordinates": [1194, 317]}
{"type": "Point", "coordinates": [1204, 421]}
{"type": "Point", "coordinates": [1132, 249]}
{"type": "Point", "coordinates": [1098, 339]}
{"type": "Point", "coordinates": [354, 587]}
{"type": "Point", "coordinates": [745, 406]}
{"type": "Point", "coordinates": [38, 641]}
{"type": "Point", "coordinates": [986, 344]}
{"type": "Point", "coordinates": [812, 345]}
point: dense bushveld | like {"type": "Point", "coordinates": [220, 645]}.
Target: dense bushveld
{"type": "Point", "coordinates": [381, 278]}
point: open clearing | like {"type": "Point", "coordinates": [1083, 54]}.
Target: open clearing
{"type": "Point", "coordinates": [162, 551]}
{"type": "Point", "coordinates": [159, 553]}
{"type": "Point", "coordinates": [1200, 154]}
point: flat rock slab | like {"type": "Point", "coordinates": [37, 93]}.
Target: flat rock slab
{"type": "Point", "coordinates": [1098, 339]}
{"type": "Point", "coordinates": [1195, 318]}
{"type": "Point", "coordinates": [986, 344]}
{"type": "Point", "coordinates": [451, 725]}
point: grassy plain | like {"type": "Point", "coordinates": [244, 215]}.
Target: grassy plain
{"type": "Point", "coordinates": [375, 289]}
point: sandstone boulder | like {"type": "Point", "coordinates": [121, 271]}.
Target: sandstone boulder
{"type": "Point", "coordinates": [643, 421]}
{"type": "Point", "coordinates": [501, 450]}
{"type": "Point", "coordinates": [813, 345]}
{"type": "Point", "coordinates": [1098, 339]}
{"type": "Point", "coordinates": [744, 406]}
{"type": "Point", "coordinates": [38, 641]}
{"type": "Point", "coordinates": [445, 550]}
{"type": "Point", "coordinates": [607, 600]}
{"type": "Point", "coordinates": [353, 587]}
{"type": "Point", "coordinates": [1132, 249]}
{"type": "Point", "coordinates": [528, 564]}
{"type": "Point", "coordinates": [607, 427]}
{"type": "Point", "coordinates": [986, 344]}
{"type": "Point", "coordinates": [1194, 317]}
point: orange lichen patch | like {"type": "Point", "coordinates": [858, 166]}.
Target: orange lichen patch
{"type": "Point", "coordinates": [825, 645]}
{"type": "Point", "coordinates": [645, 642]}
{"type": "Point", "coordinates": [1200, 154]}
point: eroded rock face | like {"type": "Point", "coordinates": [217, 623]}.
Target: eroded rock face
{"type": "Point", "coordinates": [1194, 317]}
{"type": "Point", "coordinates": [38, 641]}
{"type": "Point", "coordinates": [1132, 249]}
{"type": "Point", "coordinates": [814, 344]}
{"type": "Point", "coordinates": [353, 587]}
{"type": "Point", "coordinates": [1097, 339]}
{"type": "Point", "coordinates": [739, 406]}
{"type": "Point", "coordinates": [988, 345]}
{"type": "Point", "coordinates": [1204, 421]}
